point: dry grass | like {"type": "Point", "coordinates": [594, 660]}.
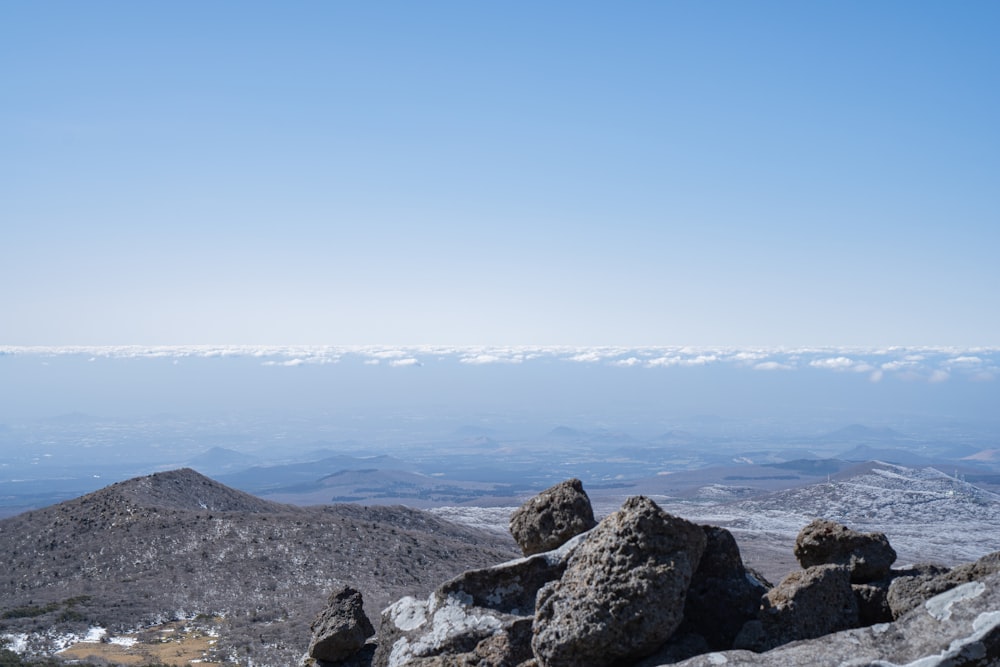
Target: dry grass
{"type": "Point", "coordinates": [177, 643]}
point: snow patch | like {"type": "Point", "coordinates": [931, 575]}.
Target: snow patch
{"type": "Point", "coordinates": [964, 651]}
{"type": "Point", "coordinates": [18, 643]}
{"type": "Point", "coordinates": [939, 606]}
{"type": "Point", "coordinates": [126, 642]}
{"type": "Point", "coordinates": [408, 613]}
{"type": "Point", "coordinates": [451, 618]}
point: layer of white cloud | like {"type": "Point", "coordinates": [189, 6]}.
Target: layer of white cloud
{"type": "Point", "coordinates": [925, 364]}
{"type": "Point", "coordinates": [772, 366]}
{"type": "Point", "coordinates": [833, 363]}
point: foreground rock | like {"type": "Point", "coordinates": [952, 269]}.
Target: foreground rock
{"type": "Point", "coordinates": [552, 517]}
{"type": "Point", "coordinates": [867, 556]}
{"type": "Point", "coordinates": [341, 629]}
{"type": "Point", "coordinates": [958, 628]}
{"type": "Point", "coordinates": [722, 598]}
{"type": "Point", "coordinates": [623, 592]}
{"type": "Point", "coordinates": [482, 617]}
{"type": "Point", "coordinates": [907, 593]}
{"type": "Point", "coordinates": [806, 604]}
{"type": "Point", "coordinates": [646, 589]}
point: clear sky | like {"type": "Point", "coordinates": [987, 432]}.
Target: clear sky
{"type": "Point", "coordinates": [644, 173]}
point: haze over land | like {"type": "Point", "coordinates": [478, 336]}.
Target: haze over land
{"type": "Point", "coordinates": [485, 425]}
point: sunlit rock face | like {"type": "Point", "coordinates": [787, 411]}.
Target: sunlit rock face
{"type": "Point", "coordinates": [623, 591]}
{"type": "Point", "coordinates": [552, 517]}
{"type": "Point", "coordinates": [867, 556]}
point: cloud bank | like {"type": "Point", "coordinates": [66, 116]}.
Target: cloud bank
{"type": "Point", "coordinates": [928, 364]}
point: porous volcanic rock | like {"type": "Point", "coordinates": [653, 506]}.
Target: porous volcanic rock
{"type": "Point", "coordinates": [806, 604]}
{"type": "Point", "coordinates": [957, 628]}
{"type": "Point", "coordinates": [722, 598]}
{"type": "Point", "coordinates": [873, 603]}
{"type": "Point", "coordinates": [552, 517]}
{"type": "Point", "coordinates": [723, 595]}
{"type": "Point", "coordinates": [868, 556]}
{"type": "Point", "coordinates": [873, 597]}
{"type": "Point", "coordinates": [623, 592]}
{"type": "Point", "coordinates": [341, 629]}
{"type": "Point", "coordinates": [906, 593]}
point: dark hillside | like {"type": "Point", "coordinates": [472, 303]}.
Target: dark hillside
{"type": "Point", "coordinates": [183, 489]}
{"type": "Point", "coordinates": [177, 543]}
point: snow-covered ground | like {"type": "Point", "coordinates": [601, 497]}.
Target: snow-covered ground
{"type": "Point", "coordinates": [926, 514]}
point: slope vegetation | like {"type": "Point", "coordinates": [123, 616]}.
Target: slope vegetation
{"type": "Point", "coordinates": [178, 544]}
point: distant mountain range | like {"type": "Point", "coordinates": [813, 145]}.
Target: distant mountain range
{"type": "Point", "coordinates": [54, 460]}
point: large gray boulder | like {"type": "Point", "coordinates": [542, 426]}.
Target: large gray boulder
{"type": "Point", "coordinates": [623, 592]}
{"type": "Point", "coordinates": [907, 593]}
{"type": "Point", "coordinates": [481, 617]}
{"type": "Point", "coordinates": [341, 629]}
{"type": "Point", "coordinates": [552, 517]}
{"type": "Point", "coordinates": [958, 628]}
{"type": "Point", "coordinates": [722, 598]}
{"type": "Point", "coordinates": [806, 604]}
{"type": "Point", "coordinates": [868, 556]}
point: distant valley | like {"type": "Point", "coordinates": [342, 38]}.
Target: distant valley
{"type": "Point", "coordinates": [47, 462]}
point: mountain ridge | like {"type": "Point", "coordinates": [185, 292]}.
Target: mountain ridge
{"type": "Point", "coordinates": [176, 543]}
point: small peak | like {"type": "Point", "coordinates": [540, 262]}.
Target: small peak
{"type": "Point", "coordinates": [187, 489]}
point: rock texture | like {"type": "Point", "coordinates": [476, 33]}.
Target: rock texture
{"type": "Point", "coordinates": [482, 617]}
{"type": "Point", "coordinates": [341, 629]}
{"type": "Point", "coordinates": [806, 604]}
{"type": "Point", "coordinates": [552, 517]}
{"type": "Point", "coordinates": [623, 591]}
{"type": "Point", "coordinates": [868, 556]}
{"type": "Point", "coordinates": [958, 628]}
{"type": "Point", "coordinates": [420, 632]}
{"type": "Point", "coordinates": [906, 593]}
{"type": "Point", "coordinates": [873, 603]}
{"type": "Point", "coordinates": [722, 598]}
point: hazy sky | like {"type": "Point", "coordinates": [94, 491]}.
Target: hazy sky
{"type": "Point", "coordinates": [646, 173]}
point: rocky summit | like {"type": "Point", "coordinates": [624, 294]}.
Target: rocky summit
{"type": "Point", "coordinates": [644, 588]}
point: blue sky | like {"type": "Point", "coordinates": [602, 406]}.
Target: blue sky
{"type": "Point", "coordinates": [661, 173]}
